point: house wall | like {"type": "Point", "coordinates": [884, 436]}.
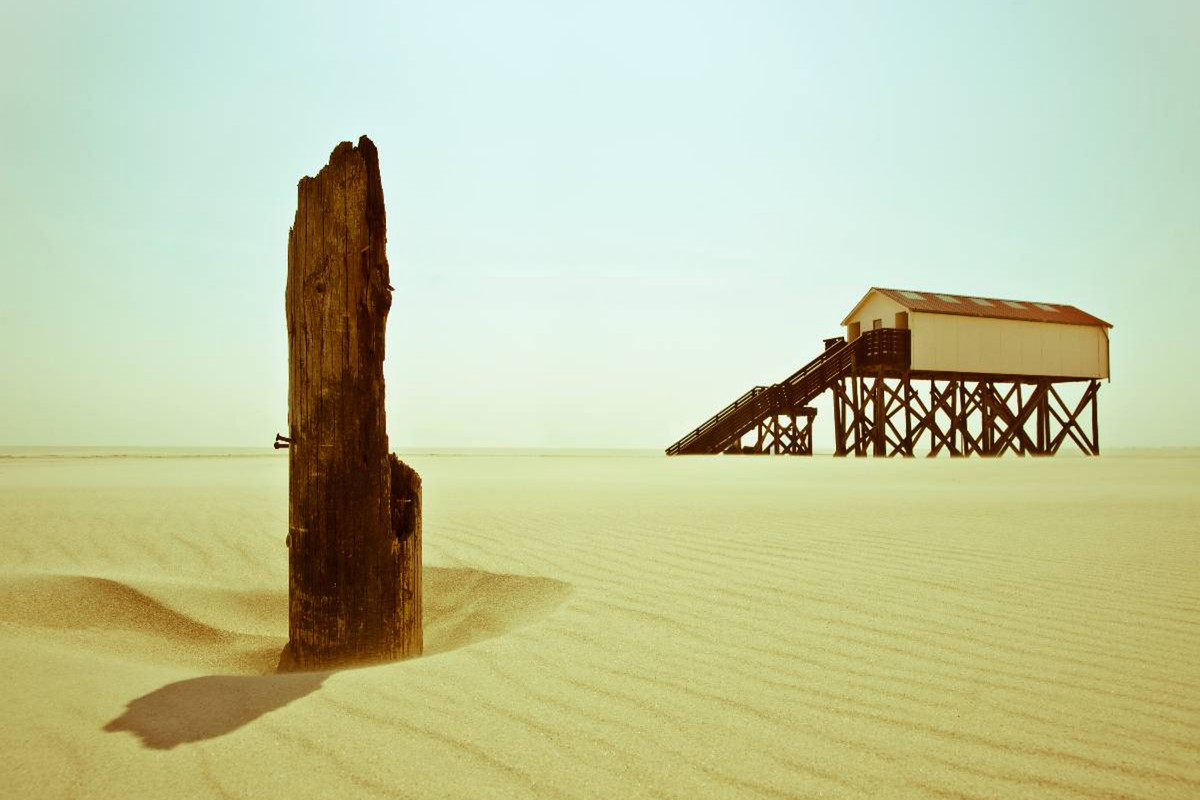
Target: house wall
{"type": "Point", "coordinates": [877, 306]}
{"type": "Point", "coordinates": [949, 343]}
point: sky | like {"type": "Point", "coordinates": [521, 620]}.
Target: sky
{"type": "Point", "coordinates": [605, 220]}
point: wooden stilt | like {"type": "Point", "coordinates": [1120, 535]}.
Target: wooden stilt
{"type": "Point", "coordinates": [839, 418]}
{"type": "Point", "coordinates": [806, 441]}
{"type": "Point", "coordinates": [856, 409]}
{"type": "Point", "coordinates": [1043, 418]}
{"type": "Point", "coordinates": [880, 431]}
{"type": "Point", "coordinates": [908, 416]}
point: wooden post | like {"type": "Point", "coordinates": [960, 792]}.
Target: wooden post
{"type": "Point", "coordinates": [880, 438]}
{"type": "Point", "coordinates": [987, 429]}
{"type": "Point", "coordinates": [1020, 417]}
{"type": "Point", "coordinates": [805, 447]}
{"type": "Point", "coordinates": [909, 444]}
{"type": "Point", "coordinates": [839, 417]}
{"type": "Point", "coordinates": [860, 446]}
{"type": "Point", "coordinates": [354, 516]}
{"type": "Point", "coordinates": [1043, 418]}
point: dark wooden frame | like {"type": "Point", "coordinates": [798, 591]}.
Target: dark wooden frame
{"type": "Point", "coordinates": [886, 416]}
{"type": "Point", "coordinates": [781, 434]}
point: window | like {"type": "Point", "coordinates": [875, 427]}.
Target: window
{"type": "Point", "coordinates": [913, 295]}
{"type": "Point", "coordinates": [1013, 304]}
{"type": "Point", "coordinates": [1046, 307]}
{"type": "Point", "coordinates": [979, 301]}
{"type": "Point", "coordinates": [945, 298]}
{"type": "Point", "coordinates": [876, 324]}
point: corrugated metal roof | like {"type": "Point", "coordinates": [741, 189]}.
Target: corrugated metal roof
{"type": "Point", "coordinates": [974, 306]}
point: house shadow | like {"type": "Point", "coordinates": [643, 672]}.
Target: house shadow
{"type": "Point", "coordinates": [462, 606]}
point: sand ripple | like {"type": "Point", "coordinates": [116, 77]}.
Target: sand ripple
{"type": "Point", "coordinates": [620, 627]}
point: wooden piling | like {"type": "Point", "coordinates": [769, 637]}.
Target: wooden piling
{"type": "Point", "coordinates": [354, 529]}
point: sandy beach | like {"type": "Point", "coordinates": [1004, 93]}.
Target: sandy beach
{"type": "Point", "coordinates": [617, 625]}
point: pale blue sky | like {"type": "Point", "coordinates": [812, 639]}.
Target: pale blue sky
{"type": "Point", "coordinates": [606, 220]}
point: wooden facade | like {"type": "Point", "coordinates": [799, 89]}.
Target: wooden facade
{"type": "Point", "coordinates": [963, 334]}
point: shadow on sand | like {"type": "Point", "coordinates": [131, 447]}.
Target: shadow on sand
{"type": "Point", "coordinates": [208, 707]}
{"type": "Point", "coordinates": [462, 606]}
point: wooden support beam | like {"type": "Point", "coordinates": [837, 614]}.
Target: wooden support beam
{"type": "Point", "coordinates": [982, 416]}
{"type": "Point", "coordinates": [1022, 443]}
{"type": "Point", "coordinates": [896, 403]}
{"type": "Point", "coordinates": [805, 444]}
{"type": "Point", "coordinates": [940, 400]}
{"type": "Point", "coordinates": [1043, 418]}
{"type": "Point", "coordinates": [987, 427]}
{"type": "Point", "coordinates": [955, 442]}
{"type": "Point", "coordinates": [962, 411]}
{"type": "Point", "coordinates": [1069, 420]}
{"type": "Point", "coordinates": [860, 444]}
{"type": "Point", "coordinates": [908, 417]}
{"type": "Point", "coordinates": [839, 418]}
{"type": "Point", "coordinates": [972, 401]}
{"type": "Point", "coordinates": [878, 429]}
{"type": "Point", "coordinates": [1014, 433]}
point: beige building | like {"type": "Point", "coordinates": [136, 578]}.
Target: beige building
{"type": "Point", "coordinates": [962, 334]}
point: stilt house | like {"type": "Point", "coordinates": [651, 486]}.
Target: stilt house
{"type": "Point", "coordinates": [999, 373]}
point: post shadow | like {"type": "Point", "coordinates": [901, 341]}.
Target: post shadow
{"type": "Point", "coordinates": [463, 606]}
{"type": "Point", "coordinates": [204, 708]}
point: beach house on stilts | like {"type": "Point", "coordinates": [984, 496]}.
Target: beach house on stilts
{"type": "Point", "coordinates": [948, 373]}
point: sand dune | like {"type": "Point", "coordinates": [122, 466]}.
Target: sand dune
{"type": "Point", "coordinates": [614, 626]}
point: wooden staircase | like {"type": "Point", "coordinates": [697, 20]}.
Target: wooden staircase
{"type": "Point", "coordinates": [790, 397]}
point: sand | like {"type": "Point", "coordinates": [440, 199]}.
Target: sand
{"type": "Point", "coordinates": [618, 626]}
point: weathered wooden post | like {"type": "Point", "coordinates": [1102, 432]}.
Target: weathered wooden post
{"type": "Point", "coordinates": [354, 516]}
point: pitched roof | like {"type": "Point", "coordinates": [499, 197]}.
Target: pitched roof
{"type": "Point", "coordinates": [973, 306]}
